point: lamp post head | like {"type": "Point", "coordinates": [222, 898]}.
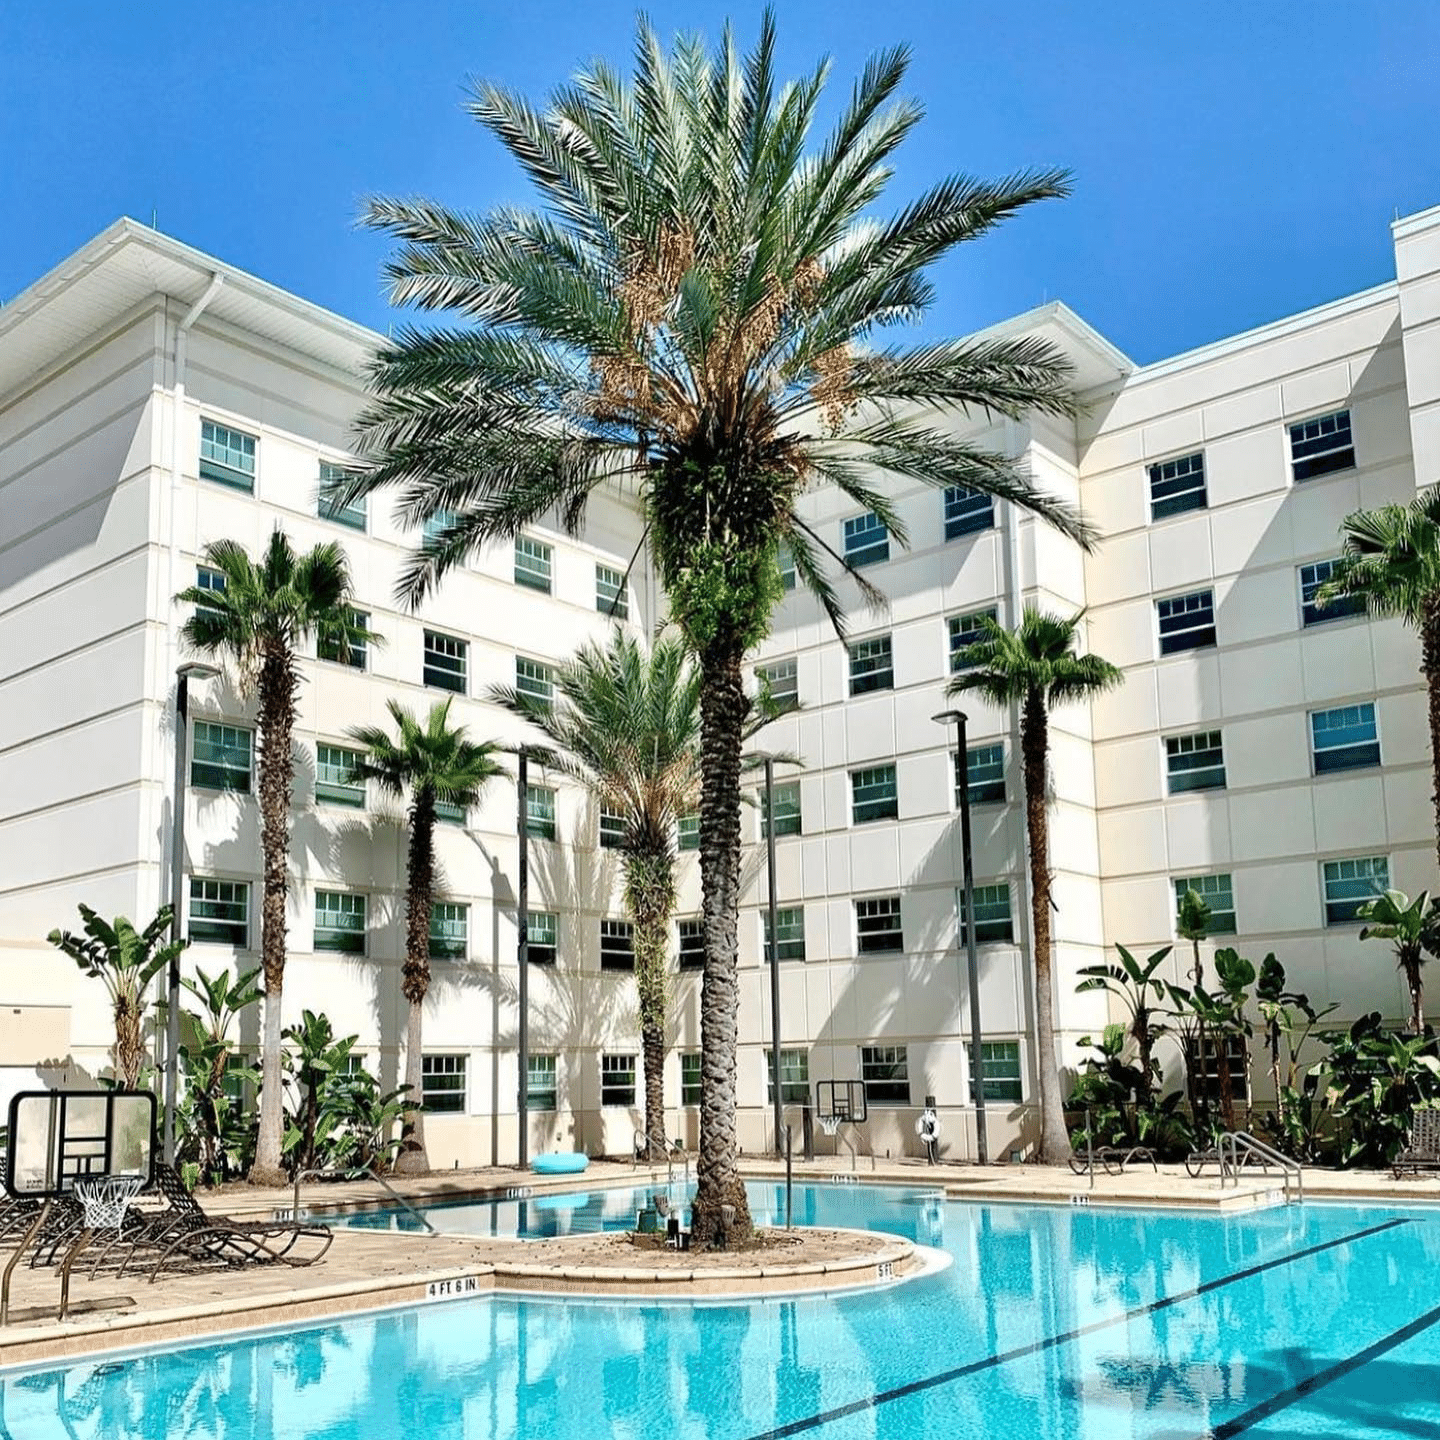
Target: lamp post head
{"type": "Point", "coordinates": [197, 670]}
{"type": "Point", "coordinates": [946, 717]}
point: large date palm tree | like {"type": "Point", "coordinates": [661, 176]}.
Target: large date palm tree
{"type": "Point", "coordinates": [438, 764]}
{"type": "Point", "coordinates": [627, 725]}
{"type": "Point", "coordinates": [1391, 561]}
{"type": "Point", "coordinates": [693, 316]}
{"type": "Point", "coordinates": [1036, 666]}
{"type": "Point", "coordinates": [259, 618]}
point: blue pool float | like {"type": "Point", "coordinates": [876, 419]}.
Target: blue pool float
{"type": "Point", "coordinates": [562, 1162]}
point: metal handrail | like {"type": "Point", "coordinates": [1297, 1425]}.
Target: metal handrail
{"type": "Point", "coordinates": [373, 1174]}
{"type": "Point", "coordinates": [1232, 1142]}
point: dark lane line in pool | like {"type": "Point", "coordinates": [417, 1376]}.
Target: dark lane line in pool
{"type": "Point", "coordinates": [1051, 1342]}
{"type": "Point", "coordinates": [1320, 1379]}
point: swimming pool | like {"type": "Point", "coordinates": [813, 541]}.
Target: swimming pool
{"type": "Point", "coordinates": [1053, 1322]}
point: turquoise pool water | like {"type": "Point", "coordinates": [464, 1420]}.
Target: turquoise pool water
{"type": "Point", "coordinates": [1052, 1322]}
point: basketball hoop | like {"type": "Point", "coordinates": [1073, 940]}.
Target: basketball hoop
{"type": "Point", "coordinates": [831, 1124]}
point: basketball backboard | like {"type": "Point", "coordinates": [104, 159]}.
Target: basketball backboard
{"type": "Point", "coordinates": [842, 1100]}
{"type": "Point", "coordinates": [60, 1136]}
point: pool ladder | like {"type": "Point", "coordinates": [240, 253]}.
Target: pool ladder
{"type": "Point", "coordinates": [1234, 1144]}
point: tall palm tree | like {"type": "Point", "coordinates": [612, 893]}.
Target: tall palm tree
{"type": "Point", "coordinates": [691, 316]}
{"type": "Point", "coordinates": [261, 617]}
{"type": "Point", "coordinates": [438, 764]}
{"type": "Point", "coordinates": [628, 726]}
{"type": "Point", "coordinates": [1391, 561]}
{"type": "Point", "coordinates": [1037, 666]}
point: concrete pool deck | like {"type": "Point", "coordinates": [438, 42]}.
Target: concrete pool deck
{"type": "Point", "coordinates": [376, 1269]}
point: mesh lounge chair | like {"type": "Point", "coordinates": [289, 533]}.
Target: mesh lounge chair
{"type": "Point", "coordinates": [183, 1236]}
{"type": "Point", "coordinates": [1422, 1145]}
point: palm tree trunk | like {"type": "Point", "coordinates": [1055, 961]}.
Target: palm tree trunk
{"type": "Point", "coordinates": [1034, 744]}
{"type": "Point", "coordinates": [722, 718]}
{"type": "Point", "coordinates": [278, 686]}
{"type": "Point", "coordinates": [413, 1158]}
{"type": "Point", "coordinates": [650, 901]}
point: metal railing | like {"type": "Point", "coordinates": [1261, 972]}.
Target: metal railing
{"type": "Point", "coordinates": [369, 1172]}
{"type": "Point", "coordinates": [1235, 1143]}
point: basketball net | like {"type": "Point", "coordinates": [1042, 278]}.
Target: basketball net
{"type": "Point", "coordinates": [831, 1124]}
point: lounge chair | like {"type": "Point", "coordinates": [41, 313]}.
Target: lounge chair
{"type": "Point", "coordinates": [1422, 1145]}
{"type": "Point", "coordinates": [1112, 1159]}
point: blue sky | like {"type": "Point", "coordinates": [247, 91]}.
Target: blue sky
{"type": "Point", "coordinates": [1234, 162]}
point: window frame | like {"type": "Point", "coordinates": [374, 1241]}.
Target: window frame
{"type": "Point", "coordinates": [535, 1096]}
{"type": "Point", "coordinates": [989, 929]}
{"type": "Point", "coordinates": [616, 605]}
{"type": "Point", "coordinates": [881, 944]}
{"type": "Point", "coordinates": [783, 699]}
{"type": "Point", "coordinates": [687, 832]}
{"type": "Point", "coordinates": [960, 510]}
{"type": "Point", "coordinates": [1206, 1071]}
{"type": "Point", "coordinates": [1179, 498]}
{"type": "Point", "coordinates": [618, 956]}
{"type": "Point", "coordinates": [1194, 778]}
{"type": "Point", "coordinates": [448, 1065]}
{"type": "Point", "coordinates": [451, 953]}
{"type": "Point", "coordinates": [1351, 607]}
{"type": "Point", "coordinates": [351, 794]}
{"type": "Point", "coordinates": [218, 767]}
{"type": "Point", "coordinates": [539, 574]}
{"type": "Point", "coordinates": [883, 808]}
{"type": "Point", "coordinates": [540, 924]}
{"type": "Point", "coordinates": [876, 548]}
{"type": "Point", "coordinates": [1361, 748]}
{"type": "Point", "coordinates": [998, 1089]}
{"type": "Point", "coordinates": [1341, 912]}
{"type": "Point", "coordinates": [539, 686]}
{"type": "Point", "coordinates": [956, 631]}
{"type": "Point", "coordinates": [879, 1057]}
{"type": "Point", "coordinates": [794, 1077]}
{"type": "Point", "coordinates": [1211, 629]}
{"type": "Point", "coordinates": [433, 652]}
{"type": "Point", "coordinates": [1317, 461]}
{"type": "Point", "coordinates": [789, 819]}
{"type": "Point", "coordinates": [617, 1063]}
{"type": "Point", "coordinates": [690, 1060]}
{"type": "Point", "coordinates": [791, 918]}
{"type": "Point", "coordinates": [341, 933]}
{"type": "Point", "coordinates": [982, 792]}
{"type": "Point", "coordinates": [345, 515]}
{"type": "Point", "coordinates": [542, 821]}
{"type": "Point", "coordinates": [1207, 886]}
{"type": "Point", "coordinates": [357, 655]}
{"type": "Point", "coordinates": [690, 943]}
{"type": "Point", "coordinates": [611, 828]}
{"type": "Point", "coordinates": [875, 659]}
{"type": "Point", "coordinates": [223, 472]}
{"type": "Point", "coordinates": [215, 936]}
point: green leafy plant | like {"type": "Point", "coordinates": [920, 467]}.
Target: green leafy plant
{"type": "Point", "coordinates": [1412, 926]}
{"type": "Point", "coordinates": [1138, 988]}
{"type": "Point", "coordinates": [1223, 1014]}
{"type": "Point", "coordinates": [124, 960]}
{"type": "Point", "coordinates": [1193, 919]}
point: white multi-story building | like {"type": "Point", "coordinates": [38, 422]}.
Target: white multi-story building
{"type": "Point", "coordinates": [153, 399]}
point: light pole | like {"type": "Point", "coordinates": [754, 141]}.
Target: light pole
{"type": "Point", "coordinates": [773, 948]}
{"type": "Point", "coordinates": [522, 951]}
{"type": "Point", "coordinates": [977, 1059]}
{"type": "Point", "coordinates": [192, 671]}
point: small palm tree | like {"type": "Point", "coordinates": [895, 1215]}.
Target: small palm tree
{"type": "Point", "coordinates": [1036, 666]}
{"type": "Point", "coordinates": [1412, 925]}
{"type": "Point", "coordinates": [265, 612]}
{"type": "Point", "coordinates": [1391, 561]}
{"type": "Point", "coordinates": [437, 764]}
{"type": "Point", "coordinates": [693, 316]}
{"type": "Point", "coordinates": [628, 726]}
{"type": "Point", "coordinates": [126, 960]}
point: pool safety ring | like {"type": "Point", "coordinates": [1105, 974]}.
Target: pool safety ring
{"type": "Point", "coordinates": [927, 1127]}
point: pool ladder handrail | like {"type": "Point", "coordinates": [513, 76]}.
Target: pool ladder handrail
{"type": "Point", "coordinates": [369, 1172]}
{"type": "Point", "coordinates": [1232, 1143]}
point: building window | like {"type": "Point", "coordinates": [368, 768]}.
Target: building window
{"type": "Point", "coordinates": [873, 794]}
{"type": "Point", "coordinates": [1218, 892]}
{"type": "Point", "coordinates": [1204, 1066]}
{"type": "Point", "coordinates": [1350, 883]}
{"type": "Point", "coordinates": [227, 456]}
{"type": "Point", "coordinates": [335, 779]}
{"type": "Point", "coordinates": [785, 558]}
{"type": "Point", "coordinates": [442, 1084]}
{"type": "Point", "coordinates": [1003, 1083]}
{"type": "Point", "coordinates": [222, 757]}
{"type": "Point", "coordinates": [541, 1089]}
{"type": "Point", "coordinates": [790, 926]}
{"type": "Point", "coordinates": [353, 653]}
{"type": "Point", "coordinates": [967, 511]}
{"type": "Point", "coordinates": [867, 541]}
{"type": "Point", "coordinates": [965, 631]}
{"type": "Point", "coordinates": [1177, 486]}
{"type": "Point", "coordinates": [1321, 445]}
{"type": "Point", "coordinates": [617, 945]}
{"type": "Point", "coordinates": [692, 944]}
{"type": "Point", "coordinates": [690, 1077]}
{"type": "Point", "coordinates": [985, 766]}
{"type": "Point", "coordinates": [532, 563]}
{"type": "Point", "coordinates": [212, 581]}
{"type": "Point", "coordinates": [351, 513]}
{"type": "Point", "coordinates": [541, 937]}
{"type": "Point", "coordinates": [1187, 622]}
{"type": "Point", "coordinates": [687, 832]}
{"type": "Point", "coordinates": [445, 661]}
{"type": "Point", "coordinates": [786, 800]}
{"type": "Point", "coordinates": [794, 1077]}
{"type": "Point", "coordinates": [535, 681]}
{"type": "Point", "coordinates": [612, 598]}
{"type": "Point", "coordinates": [877, 925]}
{"type": "Point", "coordinates": [1195, 762]}
{"type": "Point", "coordinates": [613, 829]}
{"type": "Point", "coordinates": [219, 912]}
{"type": "Point", "coordinates": [1345, 738]}
{"type": "Point", "coordinates": [433, 529]}
{"type": "Point", "coordinates": [450, 814]}
{"type": "Point", "coordinates": [1312, 577]}
{"type": "Point", "coordinates": [779, 682]}
{"type": "Point", "coordinates": [540, 812]}
{"type": "Point", "coordinates": [885, 1069]}
{"type": "Point", "coordinates": [993, 924]}
{"type": "Point", "coordinates": [339, 922]}
{"type": "Point", "coordinates": [449, 930]}
{"type": "Point", "coordinates": [872, 666]}
{"type": "Point", "coordinates": [617, 1079]}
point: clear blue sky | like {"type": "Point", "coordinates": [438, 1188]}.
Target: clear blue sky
{"type": "Point", "coordinates": [1234, 161]}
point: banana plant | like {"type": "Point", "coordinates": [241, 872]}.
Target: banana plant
{"type": "Point", "coordinates": [317, 1061]}
{"type": "Point", "coordinates": [1223, 1016]}
{"type": "Point", "coordinates": [1137, 986]}
{"type": "Point", "coordinates": [1414, 927]}
{"type": "Point", "coordinates": [216, 1133]}
{"type": "Point", "coordinates": [125, 960]}
{"type": "Point", "coordinates": [1287, 1017]}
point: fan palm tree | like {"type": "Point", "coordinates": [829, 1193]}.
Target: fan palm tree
{"type": "Point", "coordinates": [437, 764]}
{"type": "Point", "coordinates": [259, 619]}
{"type": "Point", "coordinates": [628, 726]}
{"type": "Point", "coordinates": [1036, 666]}
{"type": "Point", "coordinates": [1391, 561]}
{"type": "Point", "coordinates": [691, 317]}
